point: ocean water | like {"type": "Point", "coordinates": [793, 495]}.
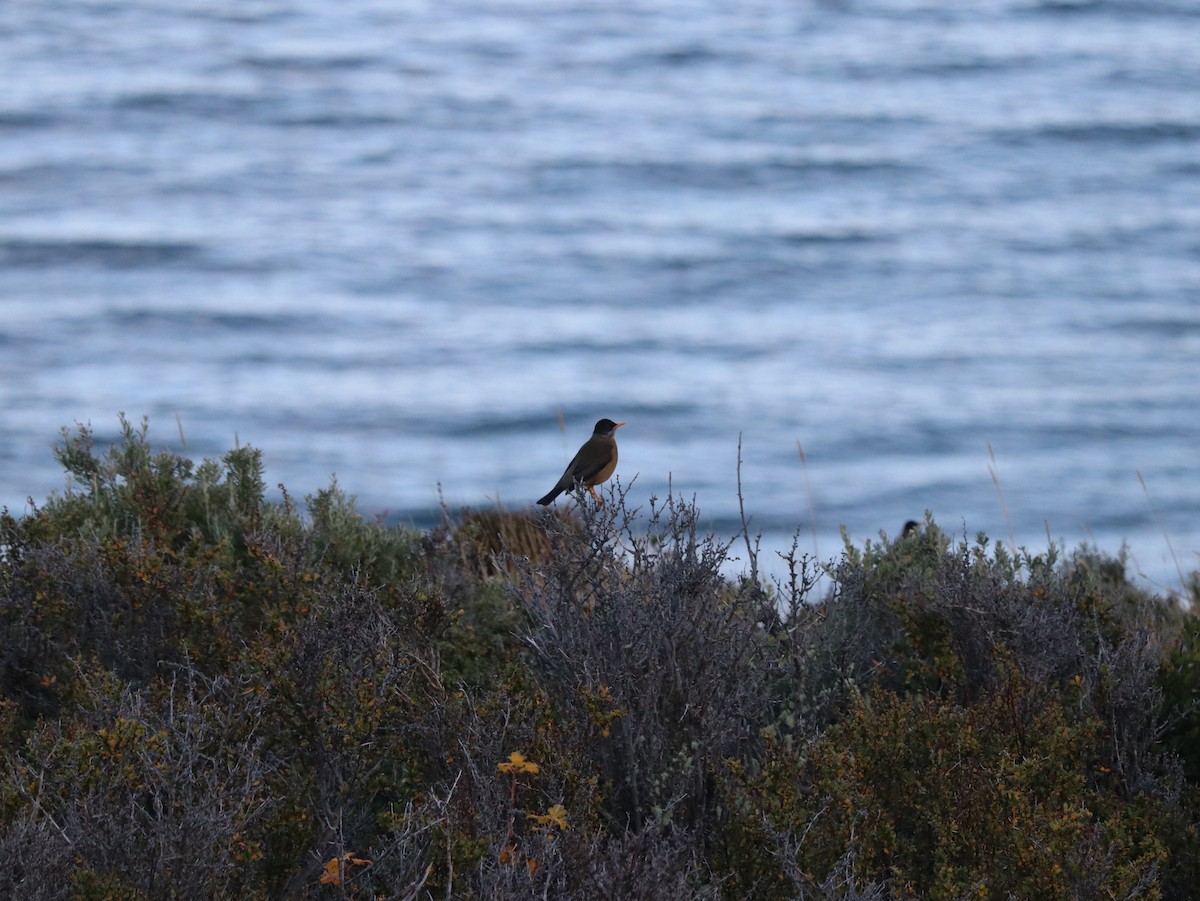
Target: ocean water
{"type": "Point", "coordinates": [949, 250]}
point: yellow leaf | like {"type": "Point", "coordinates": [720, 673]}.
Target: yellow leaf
{"type": "Point", "coordinates": [332, 872]}
{"type": "Point", "coordinates": [556, 815]}
{"type": "Point", "coordinates": [517, 764]}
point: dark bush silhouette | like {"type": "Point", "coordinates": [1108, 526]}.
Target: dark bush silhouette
{"type": "Point", "coordinates": [204, 694]}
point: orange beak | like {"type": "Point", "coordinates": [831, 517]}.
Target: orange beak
{"type": "Point", "coordinates": [618, 425]}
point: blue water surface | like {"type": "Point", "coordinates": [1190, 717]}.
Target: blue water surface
{"type": "Point", "coordinates": [949, 251]}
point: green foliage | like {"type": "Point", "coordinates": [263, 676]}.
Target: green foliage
{"type": "Point", "coordinates": [1003, 798]}
{"type": "Point", "coordinates": [369, 552]}
{"type": "Point", "coordinates": [204, 693]}
{"type": "Point", "coordinates": [1179, 678]}
{"type": "Point", "coordinates": [162, 497]}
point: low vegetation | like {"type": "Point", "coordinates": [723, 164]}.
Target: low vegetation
{"type": "Point", "coordinates": [205, 695]}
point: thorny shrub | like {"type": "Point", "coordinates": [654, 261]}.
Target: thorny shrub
{"type": "Point", "coordinates": [660, 667]}
{"type": "Point", "coordinates": [206, 694]}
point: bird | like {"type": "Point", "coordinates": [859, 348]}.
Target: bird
{"type": "Point", "coordinates": [593, 464]}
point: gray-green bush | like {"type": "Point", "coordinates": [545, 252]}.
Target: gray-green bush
{"type": "Point", "coordinates": [207, 694]}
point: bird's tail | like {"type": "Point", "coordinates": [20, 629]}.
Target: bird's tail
{"type": "Point", "coordinates": [550, 497]}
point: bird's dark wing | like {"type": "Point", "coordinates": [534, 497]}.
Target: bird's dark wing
{"type": "Point", "coordinates": [567, 481]}
{"type": "Point", "coordinates": [589, 462]}
{"type": "Point", "coordinates": [584, 467]}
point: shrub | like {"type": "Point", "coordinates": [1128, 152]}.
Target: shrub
{"type": "Point", "coordinates": [1004, 798]}
{"type": "Point", "coordinates": [147, 792]}
{"type": "Point", "coordinates": [659, 667]}
{"type": "Point", "coordinates": [206, 694]}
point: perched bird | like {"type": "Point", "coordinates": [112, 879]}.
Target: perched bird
{"type": "Point", "coordinates": [593, 464]}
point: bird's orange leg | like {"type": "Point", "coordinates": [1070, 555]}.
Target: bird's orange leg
{"type": "Point", "coordinates": [599, 499]}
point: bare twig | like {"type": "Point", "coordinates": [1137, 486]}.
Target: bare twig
{"type": "Point", "coordinates": [1000, 491]}
{"type": "Point", "coordinates": [808, 492]}
{"type": "Point", "coordinates": [751, 548]}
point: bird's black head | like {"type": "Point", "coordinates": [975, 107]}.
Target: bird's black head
{"type": "Point", "coordinates": [607, 427]}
